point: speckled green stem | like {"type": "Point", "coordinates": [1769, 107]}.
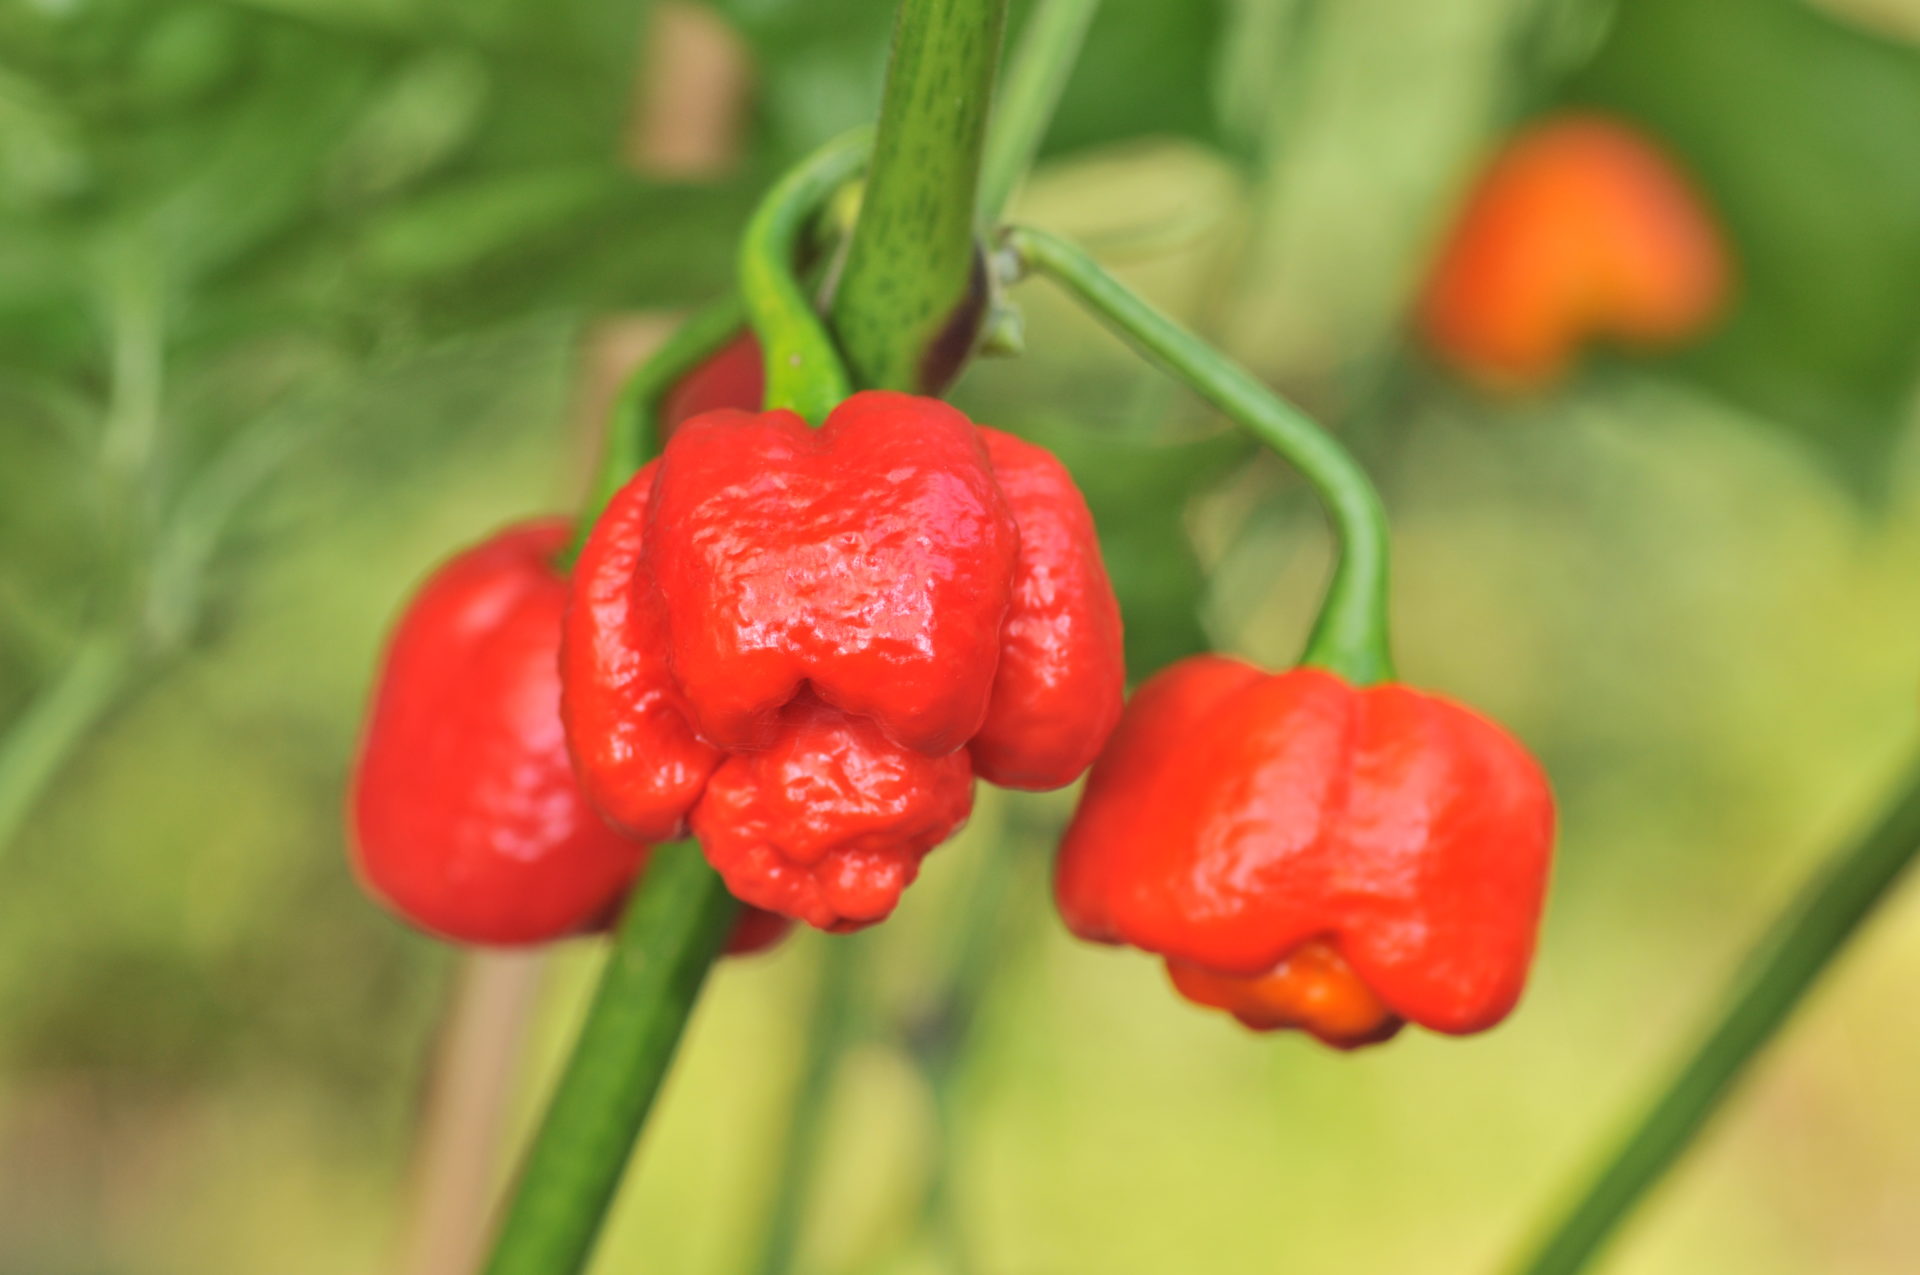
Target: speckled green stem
{"type": "Point", "coordinates": [804, 372]}
{"type": "Point", "coordinates": [910, 301]}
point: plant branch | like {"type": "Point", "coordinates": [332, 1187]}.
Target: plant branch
{"type": "Point", "coordinates": [804, 372]}
{"type": "Point", "coordinates": [1783, 967]}
{"type": "Point", "coordinates": [910, 302]}
{"type": "Point", "coordinates": [674, 927]}
{"type": "Point", "coordinates": [1350, 636]}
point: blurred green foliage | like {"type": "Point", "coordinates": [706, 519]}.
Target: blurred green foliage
{"type": "Point", "coordinates": [1801, 131]}
{"type": "Point", "coordinates": [291, 302]}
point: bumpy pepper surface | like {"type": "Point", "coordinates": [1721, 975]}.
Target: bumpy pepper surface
{"type": "Point", "coordinates": [1058, 690]}
{"type": "Point", "coordinates": [1307, 854]}
{"type": "Point", "coordinates": [830, 823]}
{"type": "Point", "coordinates": [466, 816]}
{"type": "Point", "coordinates": [828, 633]}
{"type": "Point", "coordinates": [636, 754]}
{"type": "Point", "coordinates": [1580, 228]}
{"type": "Point", "coordinates": [870, 559]}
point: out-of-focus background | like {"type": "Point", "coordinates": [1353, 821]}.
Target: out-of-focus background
{"type": "Point", "coordinates": [297, 296]}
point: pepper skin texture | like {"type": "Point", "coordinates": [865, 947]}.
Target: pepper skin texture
{"type": "Point", "coordinates": [870, 560]}
{"type": "Point", "coordinates": [1062, 675]}
{"type": "Point", "coordinates": [1580, 228]}
{"type": "Point", "coordinates": [637, 756]}
{"type": "Point", "coordinates": [466, 817]}
{"type": "Point", "coordinates": [1304, 853]}
{"type": "Point", "coordinates": [732, 377]}
{"type": "Point", "coordinates": [802, 645]}
{"type": "Point", "coordinates": [829, 824]}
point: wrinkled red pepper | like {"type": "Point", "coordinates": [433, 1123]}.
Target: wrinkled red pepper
{"type": "Point", "coordinates": [866, 612]}
{"type": "Point", "coordinates": [1057, 690]}
{"type": "Point", "coordinates": [466, 816]}
{"type": "Point", "coordinates": [871, 559]}
{"type": "Point", "coordinates": [1307, 854]}
{"type": "Point", "coordinates": [829, 824]}
{"type": "Point", "coordinates": [635, 753]}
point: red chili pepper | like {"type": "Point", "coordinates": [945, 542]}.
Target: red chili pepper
{"type": "Point", "coordinates": [855, 618]}
{"type": "Point", "coordinates": [636, 755]}
{"type": "Point", "coordinates": [1580, 228]}
{"type": "Point", "coordinates": [830, 822]}
{"type": "Point", "coordinates": [870, 559]}
{"type": "Point", "coordinates": [467, 818]}
{"type": "Point", "coordinates": [1307, 854]}
{"type": "Point", "coordinates": [1057, 692]}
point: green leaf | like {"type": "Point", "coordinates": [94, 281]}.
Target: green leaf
{"type": "Point", "coordinates": [1148, 68]}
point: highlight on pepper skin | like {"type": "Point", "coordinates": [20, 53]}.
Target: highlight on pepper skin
{"type": "Point", "coordinates": [1581, 229]}
{"type": "Point", "coordinates": [803, 645]}
{"type": "Point", "coordinates": [1308, 854]}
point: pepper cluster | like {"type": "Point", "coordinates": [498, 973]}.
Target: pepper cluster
{"type": "Point", "coordinates": [800, 645]}
{"type": "Point", "coordinates": [803, 645]}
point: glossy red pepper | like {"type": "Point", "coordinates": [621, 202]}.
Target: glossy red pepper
{"type": "Point", "coordinates": [1058, 689]}
{"type": "Point", "coordinates": [636, 754]}
{"type": "Point", "coordinates": [829, 824]}
{"type": "Point", "coordinates": [867, 613]}
{"type": "Point", "coordinates": [466, 816]}
{"type": "Point", "coordinates": [1580, 228]}
{"type": "Point", "coordinates": [1307, 854]}
{"type": "Point", "coordinates": [870, 560]}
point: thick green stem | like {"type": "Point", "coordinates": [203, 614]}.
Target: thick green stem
{"type": "Point", "coordinates": [804, 372]}
{"type": "Point", "coordinates": [1037, 75]}
{"type": "Point", "coordinates": [1783, 967]}
{"type": "Point", "coordinates": [633, 432]}
{"type": "Point", "coordinates": [674, 927]}
{"type": "Point", "coordinates": [910, 301]}
{"type": "Point", "coordinates": [1350, 638]}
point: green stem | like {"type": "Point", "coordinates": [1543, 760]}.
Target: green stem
{"type": "Point", "coordinates": [633, 431]}
{"type": "Point", "coordinates": [829, 1033]}
{"type": "Point", "coordinates": [939, 1043]}
{"type": "Point", "coordinates": [910, 302]}
{"type": "Point", "coordinates": [674, 927]}
{"type": "Point", "coordinates": [1037, 75]}
{"type": "Point", "coordinates": [1783, 967]}
{"type": "Point", "coordinates": [804, 372]}
{"type": "Point", "coordinates": [1350, 637]}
